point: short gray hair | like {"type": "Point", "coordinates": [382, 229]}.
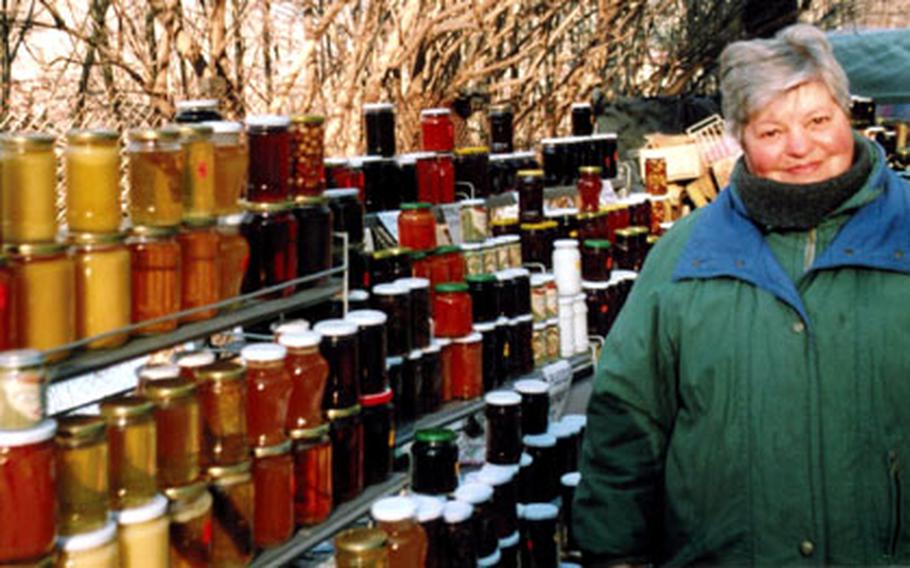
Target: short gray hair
{"type": "Point", "coordinates": [754, 72]}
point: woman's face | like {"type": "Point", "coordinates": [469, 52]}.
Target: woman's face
{"type": "Point", "coordinates": [801, 136]}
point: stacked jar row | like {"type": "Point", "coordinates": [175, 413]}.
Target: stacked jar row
{"type": "Point", "coordinates": [562, 157]}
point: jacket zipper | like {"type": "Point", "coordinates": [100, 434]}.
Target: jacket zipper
{"type": "Point", "coordinates": [894, 473]}
{"type": "Point", "coordinates": [809, 254]}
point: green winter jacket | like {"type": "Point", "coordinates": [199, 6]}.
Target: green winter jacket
{"type": "Point", "coordinates": [752, 403]}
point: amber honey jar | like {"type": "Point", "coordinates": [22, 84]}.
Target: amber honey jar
{"type": "Point", "coordinates": [271, 231]}
{"type": "Point", "coordinates": [7, 305]}
{"type": "Point", "coordinates": [308, 371]}
{"type": "Point", "coordinates": [269, 389]}
{"type": "Point", "coordinates": [23, 389]}
{"type": "Point", "coordinates": [82, 474]}
{"type": "Point", "coordinates": [234, 251]}
{"type": "Point", "coordinates": [268, 137]}
{"type": "Point", "coordinates": [198, 193]}
{"type": "Point", "coordinates": [132, 442]}
{"type": "Point", "coordinates": [222, 397]}
{"type": "Point", "coordinates": [103, 287]}
{"type": "Point", "coordinates": [92, 160]}
{"type": "Point", "coordinates": [362, 547]}
{"type": "Point", "coordinates": [232, 514]}
{"type": "Point", "coordinates": [177, 423]}
{"type": "Point", "coordinates": [200, 277]}
{"type": "Point", "coordinates": [312, 474]}
{"type": "Point", "coordinates": [307, 155]}
{"type": "Point", "coordinates": [231, 163]}
{"type": "Point", "coordinates": [156, 165]}
{"type": "Point", "coordinates": [190, 509]}
{"type": "Point", "coordinates": [155, 283]}
{"type": "Point", "coordinates": [189, 362]}
{"type": "Point", "coordinates": [273, 478]}
{"type": "Point", "coordinates": [28, 203]}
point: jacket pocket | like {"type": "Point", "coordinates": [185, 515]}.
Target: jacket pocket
{"type": "Point", "coordinates": [894, 477]}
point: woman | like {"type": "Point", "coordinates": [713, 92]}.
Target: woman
{"type": "Point", "coordinates": [753, 401]}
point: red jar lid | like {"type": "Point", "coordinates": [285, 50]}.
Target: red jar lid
{"type": "Point", "coordinates": [371, 400]}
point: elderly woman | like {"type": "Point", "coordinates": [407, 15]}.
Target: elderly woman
{"type": "Point", "coordinates": [753, 400]}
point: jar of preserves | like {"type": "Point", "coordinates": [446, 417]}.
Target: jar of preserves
{"type": "Point", "coordinates": [314, 235]}
{"type": "Point", "coordinates": [177, 425]}
{"type": "Point", "coordinates": [525, 485]}
{"type": "Point", "coordinates": [542, 471]}
{"type": "Point", "coordinates": [93, 181]}
{"type": "Point", "coordinates": [537, 242]}
{"type": "Point", "coordinates": [552, 339]}
{"type": "Point", "coordinates": [312, 475]}
{"type": "Point", "coordinates": [631, 248]}
{"type": "Point", "coordinates": [189, 362]}
{"type": "Point", "coordinates": [199, 173]}
{"type": "Point", "coordinates": [430, 396]}
{"type": "Point", "coordinates": [307, 155]}
{"type": "Point", "coordinates": [132, 442]}
{"type": "Point", "coordinates": [541, 542]}
{"type": "Point", "coordinates": [504, 351]}
{"type": "Point", "coordinates": [472, 171]}
{"type": "Point", "coordinates": [567, 266]}
{"type": "Point", "coordinates": [407, 392]}
{"type": "Point", "coordinates": [340, 348]}
{"type": "Point", "coordinates": [28, 204]}
{"type": "Point", "coordinates": [395, 301]}
{"type": "Point", "coordinates": [461, 542]}
{"type": "Point", "coordinates": [535, 405]}
{"type": "Point", "coordinates": [379, 125]}
{"type": "Point", "coordinates": [395, 369]}
{"type": "Point", "coordinates": [190, 510]}
{"type": "Point", "coordinates": [454, 262]}
{"type": "Point", "coordinates": [378, 436]}
{"type": "Point", "coordinates": [23, 389]}
{"type": "Point", "coordinates": [417, 226]}
{"type": "Point", "coordinates": [500, 117]}
{"type": "Point", "coordinates": [388, 265]}
{"type": "Point", "coordinates": [197, 110]}
{"type": "Point", "coordinates": [142, 534]}
{"type": "Point", "coordinates": [234, 251]}
{"type": "Point", "coordinates": [437, 130]}
{"type": "Point", "coordinates": [568, 484]}
{"type": "Point", "coordinates": [28, 492]}
{"type": "Point", "coordinates": [582, 124]}
{"type": "Point", "coordinates": [452, 310]}
{"type": "Point", "coordinates": [155, 284]}
{"type": "Point", "coordinates": [82, 474]}
{"type": "Point", "coordinates": [521, 344]}
{"type": "Point", "coordinates": [222, 399]}
{"type": "Point", "coordinates": [268, 393]}
{"type": "Point", "coordinates": [522, 288]}
{"type": "Point", "coordinates": [490, 357]}
{"type": "Point", "coordinates": [44, 277]}
{"type": "Point", "coordinates": [273, 478]}
{"type": "Point", "coordinates": [361, 547]}
{"type": "Point", "coordinates": [618, 216]}
{"type": "Point", "coordinates": [502, 410]}
{"type": "Point", "coordinates": [397, 516]}
{"type": "Point", "coordinates": [420, 264]}
{"type": "Point", "coordinates": [656, 175]}
{"type": "Point", "coordinates": [156, 165]}
{"type": "Point", "coordinates": [7, 305]}
{"type": "Point", "coordinates": [589, 187]}
{"type": "Point", "coordinates": [103, 287]}
{"type": "Point", "coordinates": [419, 291]}
{"type": "Point", "coordinates": [434, 462]}
{"type": "Point", "coordinates": [596, 260]}
{"type": "Point", "coordinates": [268, 137]}
{"type": "Point", "coordinates": [373, 345]}
{"type": "Point", "coordinates": [503, 480]}
{"type": "Point", "coordinates": [231, 163]}
{"type": "Point", "coordinates": [271, 231]}
{"type": "Point", "coordinates": [480, 497]}
{"type": "Point", "coordinates": [347, 452]}
{"type": "Point", "coordinates": [93, 549]}
{"type": "Point", "coordinates": [508, 294]}
{"type": "Point", "coordinates": [539, 297]}
{"type": "Point", "coordinates": [347, 213]}
{"type": "Point", "coordinates": [200, 269]}
{"type": "Point", "coordinates": [467, 366]}
{"type": "Point", "coordinates": [565, 447]}
{"type": "Point", "coordinates": [446, 348]}
{"type": "Point", "coordinates": [429, 515]}
{"type": "Point", "coordinates": [308, 372]}
{"type": "Point", "coordinates": [530, 195]}
{"type": "Point", "coordinates": [232, 514]}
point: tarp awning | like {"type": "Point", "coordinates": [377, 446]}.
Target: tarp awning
{"type": "Point", "coordinates": [877, 63]}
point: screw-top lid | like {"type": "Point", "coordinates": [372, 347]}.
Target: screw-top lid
{"type": "Point", "coordinates": [293, 326]}
{"type": "Point", "coordinates": [447, 249]}
{"type": "Point", "coordinates": [221, 371]}
{"type": "Point", "coordinates": [540, 325]}
{"type": "Point", "coordinates": [360, 540]}
{"type": "Point", "coordinates": [413, 283]}
{"type": "Point", "coordinates": [531, 386]}
{"type": "Point", "coordinates": [21, 358]}
{"type": "Point", "coordinates": [484, 327]}
{"type": "Point", "coordinates": [503, 275]}
{"type": "Point", "coordinates": [474, 493]}
{"type": "Point", "coordinates": [126, 407]}
{"type": "Point", "coordinates": [376, 107]}
{"type": "Point", "coordinates": [451, 287]}
{"type": "Point", "coordinates": [389, 289]}
{"type": "Point", "coordinates": [224, 471]}
{"type": "Point", "coordinates": [442, 341]}
{"type": "Point", "coordinates": [263, 352]}
{"type": "Point", "coordinates": [336, 328]}
{"type": "Point", "coordinates": [158, 372]}
{"type": "Point", "coordinates": [415, 354]}
{"type": "Point", "coordinates": [589, 170]}
{"type": "Point", "coordinates": [27, 140]}
{"type": "Point", "coordinates": [393, 509]}
{"type": "Point", "coordinates": [274, 450]}
{"type": "Point", "coordinates": [305, 201]}
{"type": "Point", "coordinates": [565, 243]}
{"type": "Point", "coordinates": [152, 134]}
{"type": "Point", "coordinates": [439, 111]}
{"type": "Point", "coordinates": [89, 540]}
{"type": "Point", "coordinates": [411, 206]}
{"type": "Point", "coordinates": [342, 413]}
{"type": "Point", "coordinates": [267, 121]}
{"type": "Point", "coordinates": [472, 337]}
{"type": "Point", "coordinates": [570, 479]}
{"type": "Point", "coordinates": [145, 233]}
{"type": "Point", "coordinates": [164, 389]}
{"type": "Point", "coordinates": [472, 150]}
{"type": "Point", "coordinates": [358, 296]}
{"type": "Point", "coordinates": [89, 241]}
{"type": "Point", "coordinates": [526, 460]}
{"type": "Point", "coordinates": [43, 431]}
{"type": "Point", "coordinates": [480, 278]}
{"type": "Point", "coordinates": [539, 440]}
{"type": "Point", "coordinates": [79, 429]}
{"type": "Point", "coordinates": [308, 119]}
{"type": "Point", "coordinates": [186, 493]}
{"type": "Point", "coordinates": [92, 136]}
{"type": "Point", "coordinates": [519, 272]}
{"type": "Point", "coordinates": [576, 421]}
{"type": "Point", "coordinates": [34, 249]}
{"type": "Point", "coordinates": [597, 244]}
{"type": "Point", "coordinates": [457, 512]}
{"type": "Point", "coordinates": [495, 475]}
{"type": "Point", "coordinates": [394, 361]}
{"type": "Point", "coordinates": [509, 541]}
{"type": "Point", "coordinates": [193, 359]}
{"type": "Point", "coordinates": [435, 436]}
{"type": "Point", "coordinates": [224, 126]}
{"type": "Point", "coordinates": [433, 347]}
{"type": "Point", "coordinates": [560, 430]}
{"type": "Point", "coordinates": [539, 512]}
{"type": "Point", "coordinates": [529, 173]}
{"type": "Point", "coordinates": [470, 247]}
{"type": "Point", "coordinates": [154, 509]}
{"type": "Point", "coordinates": [502, 398]}
{"type": "Point", "coordinates": [300, 339]}
{"type": "Point", "coordinates": [428, 508]}
{"type": "Point", "coordinates": [500, 108]}
{"type": "Point", "coordinates": [196, 104]}
{"type": "Point", "coordinates": [267, 206]}
{"type": "Point", "coordinates": [193, 130]}
{"type": "Point", "coordinates": [366, 318]}
{"type": "Point", "coordinates": [313, 433]}
{"type": "Point", "coordinates": [371, 400]}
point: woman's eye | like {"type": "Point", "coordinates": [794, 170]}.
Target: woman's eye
{"type": "Point", "coordinates": [769, 134]}
{"type": "Point", "coordinates": [821, 119]}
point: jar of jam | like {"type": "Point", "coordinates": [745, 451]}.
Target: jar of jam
{"type": "Point", "coordinates": [430, 395]}
{"type": "Point", "coordinates": [308, 371]}
{"type": "Point", "coordinates": [539, 297]}
{"type": "Point", "coordinates": [437, 130]}
{"type": "Point", "coordinates": [596, 260]}
{"type": "Point", "coordinates": [542, 471]}
{"type": "Point", "coordinates": [395, 369]}
{"type": "Point", "coordinates": [452, 309]}
{"type": "Point", "coordinates": [417, 226]}
{"type": "Point", "coordinates": [190, 510]}
{"type": "Point", "coordinates": [93, 181]}
{"type": "Point", "coordinates": [382, 183]}
{"type": "Point", "coordinates": [92, 549]}
{"type": "Point", "coordinates": [189, 362]}
{"type": "Point", "coordinates": [314, 235]}
{"type": "Point", "coordinates": [82, 474]}
{"type": "Point", "coordinates": [480, 497]}
{"type": "Point", "coordinates": [178, 437]}
{"type": "Point", "coordinates": [467, 366]}
{"type": "Point", "coordinates": [530, 195]}
{"type": "Point", "coordinates": [388, 265]}
{"type": "Point", "coordinates": [472, 171]}
{"type": "Point", "coordinates": [502, 410]}
{"type": "Point", "coordinates": [379, 125]}
{"type": "Point", "coordinates": [231, 163]}
{"type": "Point", "coordinates": [435, 177]}
{"type": "Point", "coordinates": [537, 242]}
{"type": "Point", "coordinates": [582, 124]}
{"type": "Point", "coordinates": [522, 287]}
{"type": "Point", "coordinates": [589, 187]}
{"type": "Point", "coordinates": [500, 117]}
{"type": "Point", "coordinates": [155, 284]}
{"type": "Point", "coordinates": [44, 276]}
{"type": "Point", "coordinates": [28, 492]}
{"type": "Point", "coordinates": [565, 447]}
{"type": "Point", "coordinates": [508, 294]}
{"type": "Point", "coordinates": [490, 357]}
{"type": "Point", "coordinates": [434, 462]}
{"type": "Point", "coordinates": [28, 204]}
{"type": "Point", "coordinates": [268, 393]}
{"type": "Point", "coordinates": [232, 514]}
{"type": "Point", "coordinates": [23, 389]}
{"type": "Point", "coordinates": [407, 395]}
{"type": "Point", "coordinates": [395, 301]}
{"type": "Point", "coordinates": [347, 453]}
{"type": "Point", "coordinates": [199, 173]}
{"type": "Point", "coordinates": [347, 213]}
{"type": "Point", "coordinates": [307, 155]}
{"type": "Point", "coordinates": [618, 217]}
{"type": "Point", "coordinates": [268, 137]}
{"type": "Point", "coordinates": [407, 177]}
{"type": "Point", "coordinates": [372, 349]}
{"type": "Point", "coordinates": [461, 542]}
{"type": "Point", "coordinates": [312, 475]}
{"type": "Point", "coordinates": [451, 256]}
{"type": "Point", "coordinates": [271, 231]}
{"type": "Point", "coordinates": [503, 480]}
{"type": "Point", "coordinates": [340, 349]}
{"type": "Point", "coordinates": [420, 264]}
{"type": "Point", "coordinates": [522, 355]}
{"type": "Point", "coordinates": [378, 436]}
{"type": "Point", "coordinates": [631, 248]}
{"type": "Point", "coordinates": [484, 290]}
{"type": "Point", "coordinates": [397, 517]}
{"type": "Point", "coordinates": [535, 405]}
{"type": "Point", "coordinates": [273, 479]}
{"type": "Point", "coordinates": [504, 351]}
{"type": "Point", "coordinates": [132, 441]}
{"type": "Point", "coordinates": [222, 398]}
{"type": "Point", "coordinates": [156, 165]}
{"type": "Point", "coordinates": [539, 526]}
{"type": "Point", "coordinates": [568, 484]}
{"type": "Point", "coordinates": [429, 515]}
{"type": "Point", "coordinates": [359, 547]}
{"type": "Point", "coordinates": [419, 291]}
{"type": "Point", "coordinates": [142, 534]}
{"type": "Point", "coordinates": [446, 350]}
{"type": "Point", "coordinates": [200, 269]}
{"type": "Point", "coordinates": [103, 299]}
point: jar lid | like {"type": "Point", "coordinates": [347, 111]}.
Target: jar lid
{"type": "Point", "coordinates": [308, 119]}
{"type": "Point", "coordinates": [485, 326]}
{"type": "Point", "coordinates": [341, 193]}
{"type": "Point", "coordinates": [375, 107]}
{"type": "Point", "coordinates": [415, 354]}
{"type": "Point", "coordinates": [267, 121]}
{"type": "Point", "coordinates": [393, 509]}
{"type": "Point", "coordinates": [502, 398]}
{"type": "Point", "coordinates": [21, 358]}
{"type": "Point", "coordinates": [192, 359]}
{"type": "Point", "coordinates": [304, 201]}
{"type": "Point", "coordinates": [536, 173]}
{"type": "Point", "coordinates": [570, 479]}
{"type": "Point", "coordinates": [263, 352]}
{"type": "Point", "coordinates": [274, 450]}
{"type": "Point", "coordinates": [439, 111]}
{"type": "Point", "coordinates": [224, 126]}
{"type": "Point", "coordinates": [186, 493]}
{"type": "Point", "coordinates": [406, 160]}
{"type": "Point", "coordinates": [221, 371]}
{"type": "Point", "coordinates": [300, 339]}
{"type": "Point", "coordinates": [474, 493]}
{"type": "Point", "coordinates": [193, 130]}
{"type": "Point", "coordinates": [371, 400]}
{"type": "Point", "coordinates": [538, 279]}
{"type": "Point", "coordinates": [581, 106]}
{"type": "Point", "coordinates": [457, 512]}
{"type": "Point", "coordinates": [470, 247]}
{"type": "Point", "coordinates": [126, 407]}
{"type": "Point", "coordinates": [143, 232]}
{"type": "Point", "coordinates": [531, 386]}
{"type": "Point", "coordinates": [525, 460]}
{"type": "Point", "coordinates": [43, 431]}
{"type": "Point", "coordinates": [393, 361]}
{"type": "Point", "coordinates": [540, 512]}
{"type": "Point", "coordinates": [539, 440]}
{"type": "Point", "coordinates": [196, 104]}
{"type": "Point", "coordinates": [389, 289]}
{"type": "Point", "coordinates": [158, 372]}
{"type": "Point", "coordinates": [201, 222]}
{"type": "Point", "coordinates": [509, 541]}
{"type": "Point", "coordinates": [267, 206]}
{"type": "Point", "coordinates": [292, 326]}
{"type": "Point", "coordinates": [472, 150]}
{"type": "Point", "coordinates": [484, 277]}
{"type": "Point", "coordinates": [624, 232]}
{"type": "Point", "coordinates": [565, 243]}
{"type": "Point", "coordinates": [577, 421]}
{"type": "Point", "coordinates": [589, 170]}
{"type": "Point", "coordinates": [543, 225]}
{"type": "Point", "coordinates": [559, 430]}
{"type": "Point", "coordinates": [367, 318]}
{"type": "Point", "coordinates": [79, 429]}
{"type": "Point", "coordinates": [92, 136]}
{"type": "Point", "coordinates": [597, 243]}
{"type": "Point", "coordinates": [390, 253]}
{"type": "Point", "coordinates": [428, 508]}
{"type": "Point", "coordinates": [154, 509]}
{"type": "Point", "coordinates": [495, 475]}
{"type": "Point", "coordinates": [519, 272]}
{"type": "Point", "coordinates": [150, 135]}
{"type": "Point", "coordinates": [433, 347]}
{"type": "Point", "coordinates": [164, 389]}
{"type": "Point", "coordinates": [413, 283]}
{"type": "Point", "coordinates": [502, 275]}
{"type": "Point", "coordinates": [27, 140]}
{"type": "Point", "coordinates": [637, 230]}
{"type": "Point", "coordinates": [594, 285]}
{"type": "Point", "coordinates": [222, 471]}
{"type": "Point", "coordinates": [358, 296]}
{"type": "Point", "coordinates": [435, 436]}
{"type": "Point", "coordinates": [34, 249]}
{"type": "Point", "coordinates": [418, 255]}
{"type": "Point", "coordinates": [603, 136]}
{"type": "Point", "coordinates": [500, 108]}
{"type": "Point", "coordinates": [89, 540]}
{"type": "Point", "coordinates": [336, 328]}
{"type": "Point", "coordinates": [360, 540]}
{"type": "Point", "coordinates": [447, 249]}
{"type": "Point", "coordinates": [504, 222]}
{"type": "Point", "coordinates": [473, 337]}
{"type": "Point", "coordinates": [90, 240]}
{"type": "Point", "coordinates": [472, 202]}
{"type": "Point", "coordinates": [313, 433]}
{"type": "Point", "coordinates": [342, 413]}
{"type": "Point", "coordinates": [442, 341]}
{"type": "Point", "coordinates": [540, 325]}
{"type": "Point", "coordinates": [451, 287]}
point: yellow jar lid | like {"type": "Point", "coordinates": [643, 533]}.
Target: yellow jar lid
{"type": "Point", "coordinates": [472, 150]}
{"type": "Point", "coordinates": [361, 540]}
{"type": "Point", "coordinates": [89, 240]}
{"type": "Point", "coordinates": [200, 222]}
{"type": "Point", "coordinates": [222, 472]}
{"type": "Point", "coordinates": [529, 173]}
{"type": "Point", "coordinates": [589, 170]}
{"type": "Point", "coordinates": [638, 230]}
{"type": "Point", "coordinates": [504, 222]}
{"type": "Point", "coordinates": [166, 389]}
{"type": "Point", "coordinates": [390, 252]}
{"type": "Point", "coordinates": [186, 493]}
{"type": "Point", "coordinates": [220, 371]}
{"type": "Point", "coordinates": [35, 249]}
{"type": "Point", "coordinates": [624, 232]}
{"type": "Point", "coordinates": [308, 119]}
{"type": "Point", "coordinates": [191, 131]}
{"type": "Point", "coordinates": [542, 226]}
{"type": "Point", "coordinates": [341, 413]}
{"type": "Point", "coordinates": [79, 430]}
{"type": "Point", "coordinates": [313, 433]}
{"type": "Point", "coordinates": [144, 232]}
{"type": "Point", "coordinates": [126, 407]}
{"type": "Point", "coordinates": [93, 136]}
{"type": "Point", "coordinates": [616, 207]}
{"type": "Point", "coordinates": [267, 206]}
{"type": "Point", "coordinates": [275, 450]}
{"type": "Point", "coordinates": [28, 140]}
{"type": "Point", "coordinates": [166, 134]}
{"type": "Point", "coordinates": [311, 200]}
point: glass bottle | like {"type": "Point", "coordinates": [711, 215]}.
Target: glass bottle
{"type": "Point", "coordinates": [268, 393]}
{"type": "Point", "coordinates": [103, 281]}
{"type": "Point", "coordinates": [155, 283]}
{"type": "Point", "coordinates": [308, 372]}
{"type": "Point", "coordinates": [82, 474]}
{"type": "Point", "coordinates": [156, 165]}
{"type": "Point", "coordinates": [28, 204]}
{"type": "Point", "coordinates": [177, 425]}
{"type": "Point", "coordinates": [222, 399]}
{"type": "Point", "coordinates": [132, 442]}
{"type": "Point", "coordinates": [397, 517]}
{"type": "Point", "coordinates": [23, 389]}
{"type": "Point", "coordinates": [93, 181]}
{"type": "Point", "coordinates": [273, 478]}
{"type": "Point", "coordinates": [232, 514]}
{"type": "Point", "coordinates": [200, 268]}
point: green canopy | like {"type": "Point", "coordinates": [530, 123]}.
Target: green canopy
{"type": "Point", "coordinates": [877, 63]}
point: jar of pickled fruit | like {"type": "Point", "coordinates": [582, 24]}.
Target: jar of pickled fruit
{"type": "Point", "coordinates": [271, 231]}
{"type": "Point", "coordinates": [93, 181]}
{"type": "Point", "coordinates": [268, 393]}
{"type": "Point", "coordinates": [307, 155]}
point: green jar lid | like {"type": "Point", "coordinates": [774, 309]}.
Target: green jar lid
{"type": "Point", "coordinates": [598, 243]}
{"type": "Point", "coordinates": [435, 436]}
{"type": "Point", "coordinates": [485, 277]}
{"type": "Point", "coordinates": [415, 205]}
{"type": "Point", "coordinates": [447, 249]}
{"type": "Point", "coordinates": [447, 287]}
{"type": "Point", "coordinates": [418, 255]}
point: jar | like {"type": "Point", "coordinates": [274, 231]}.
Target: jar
{"type": "Point", "coordinates": [189, 362]}
{"type": "Point", "coordinates": [472, 171]}
{"type": "Point", "coordinates": [93, 549]}
{"type": "Point", "coordinates": [467, 367]}
{"type": "Point", "coordinates": [451, 257]}
{"type": "Point", "coordinates": [631, 248]}
{"type": "Point", "coordinates": [388, 265]}
{"type": "Point", "coordinates": [566, 326]}
{"type": "Point", "coordinates": [445, 364]}
{"type": "Point", "coordinates": [23, 389]}
{"type": "Point", "coordinates": [223, 400]}
{"type": "Point", "coordinates": [539, 527]}
{"type": "Point", "coordinates": [577, 423]}
{"type": "Point", "coordinates": [503, 260]}
{"type": "Point", "coordinates": [273, 479]}
{"type": "Point", "coordinates": [484, 290]}
{"type": "Point", "coordinates": [596, 260]}
{"type": "Point", "coordinates": [522, 279]}
{"type": "Point", "coordinates": [522, 355]}
{"type": "Point", "coordinates": [382, 184]}
{"type": "Point", "coordinates": [582, 124]}
{"type": "Point", "coordinates": [407, 395]}
{"type": "Point", "coordinates": [543, 473]}
{"type": "Point", "coordinates": [539, 297]}
{"type": "Point", "coordinates": [504, 348]}
{"type": "Point", "coordinates": [568, 484]}
{"type": "Point", "coordinates": [473, 217]}
{"type": "Point", "coordinates": [379, 125]}
{"type": "Point", "coordinates": [397, 517]}
{"type": "Point", "coordinates": [307, 148]}
{"type": "Point", "coordinates": [429, 515]}
{"type": "Point", "coordinates": [197, 110]}
{"type": "Point", "coordinates": [44, 277]}
{"type": "Point", "coordinates": [308, 371]}
{"type": "Point", "coordinates": [268, 393]}
{"type": "Point", "coordinates": [271, 231]}
{"type": "Point", "coordinates": [525, 481]}
{"type": "Point", "coordinates": [372, 350]}
{"type": "Point", "coordinates": [490, 256]}
{"type": "Point", "coordinates": [142, 535]}
{"type": "Point", "coordinates": [232, 514]}
{"type": "Point", "coordinates": [103, 278]}
{"type": "Point", "coordinates": [419, 292]}
{"type": "Point", "coordinates": [461, 542]}
{"type": "Point", "coordinates": [340, 349]}
{"type": "Point", "coordinates": [566, 460]}
{"type": "Point", "coordinates": [509, 550]}
{"type": "Point", "coordinates": [82, 474]}
{"type": "Point", "coordinates": [430, 395]}
{"type": "Point", "coordinates": [607, 153]}
{"type": "Point", "coordinates": [312, 475]}
{"type": "Point", "coordinates": [395, 369]}
{"type": "Point", "coordinates": [530, 195]}
{"type": "Point", "coordinates": [580, 333]}
{"type": "Point", "coordinates": [231, 161]}
{"type": "Point", "coordinates": [7, 305]}
{"type": "Point", "coordinates": [589, 187]}
{"type": "Point", "coordinates": [618, 217]}
{"type": "Point", "coordinates": [132, 442]}
{"type": "Point", "coordinates": [155, 284]}
{"type": "Point", "coordinates": [92, 181]}
{"type": "Point", "coordinates": [567, 267]}
{"type": "Point", "coordinates": [503, 480]}
{"type": "Point", "coordinates": [347, 213]}
{"type": "Point", "coordinates": [552, 339]}
{"type": "Point", "coordinates": [539, 343]}
{"type": "Point", "coordinates": [500, 117]}
{"type": "Point", "coordinates": [502, 410]}
{"type": "Point", "coordinates": [395, 301]}
{"type": "Point", "coordinates": [553, 154]}
{"type": "Point", "coordinates": [190, 510]}
{"type": "Point", "coordinates": [268, 138]}
{"type": "Point", "coordinates": [435, 177]}
{"type": "Point", "coordinates": [234, 251]}
{"type": "Point", "coordinates": [566, 220]}
{"type": "Point", "coordinates": [434, 462]}
{"type": "Point", "coordinates": [28, 203]}
{"type": "Point", "coordinates": [177, 426]}
{"type": "Point", "coordinates": [535, 405]}
{"type": "Point", "coordinates": [508, 294]}
{"type": "Point", "coordinates": [314, 235]}
{"type": "Point", "coordinates": [156, 165]}
{"type": "Point", "coordinates": [361, 547]}
{"type": "Point", "coordinates": [199, 173]}
{"type": "Point", "coordinates": [28, 492]}
{"type": "Point", "coordinates": [200, 269]}
{"type": "Point", "coordinates": [417, 226]}
{"type": "Point", "coordinates": [437, 130]}
{"type": "Point", "coordinates": [490, 357]}
{"type": "Point", "coordinates": [452, 309]}
{"type": "Point", "coordinates": [480, 497]}
{"type": "Point", "coordinates": [420, 264]}
{"type": "Point", "coordinates": [473, 258]}
{"type": "Point", "coordinates": [537, 242]}
{"type": "Point", "coordinates": [347, 453]}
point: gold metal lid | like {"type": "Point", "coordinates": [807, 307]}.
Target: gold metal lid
{"type": "Point", "coordinates": [79, 430]}
{"type": "Point", "coordinates": [200, 222]}
{"type": "Point", "coordinates": [126, 407]}
{"type": "Point", "coordinates": [145, 232]}
{"type": "Point", "coordinates": [529, 173]}
{"type": "Point", "coordinates": [341, 413]}
{"type": "Point", "coordinates": [310, 433]}
{"type": "Point", "coordinates": [165, 389]}
{"type": "Point", "coordinates": [542, 226]}
{"type": "Point", "coordinates": [275, 450]}
{"type": "Point", "coordinates": [500, 108]}
{"type": "Point", "coordinates": [220, 371]}
{"type": "Point", "coordinates": [616, 207]}
{"type": "Point", "coordinates": [311, 200]}
{"type": "Point", "coordinates": [638, 230]}
{"type": "Point", "coordinates": [472, 150]}
{"type": "Point", "coordinates": [225, 471]}
{"type": "Point", "coordinates": [34, 249]}
{"type": "Point", "coordinates": [93, 136]}
{"type": "Point", "coordinates": [267, 206]}
{"type": "Point", "coordinates": [589, 170]}
{"type": "Point", "coordinates": [185, 493]}
{"type": "Point", "coordinates": [504, 222]}
{"type": "Point", "coordinates": [28, 140]}
{"type": "Point", "coordinates": [308, 119]}
{"type": "Point", "coordinates": [87, 240]}
{"type": "Point", "coordinates": [166, 134]}
{"type": "Point", "coordinates": [190, 131]}
{"type": "Point", "coordinates": [361, 540]}
{"type": "Point", "coordinates": [390, 252]}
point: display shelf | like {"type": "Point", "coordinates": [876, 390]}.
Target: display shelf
{"type": "Point", "coordinates": [343, 516]}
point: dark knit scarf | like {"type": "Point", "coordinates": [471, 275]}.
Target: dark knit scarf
{"type": "Point", "coordinates": [787, 206]}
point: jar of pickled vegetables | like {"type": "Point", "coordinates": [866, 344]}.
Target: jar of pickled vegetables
{"type": "Point", "coordinates": [103, 281]}
{"type": "Point", "coordinates": [23, 389]}
{"type": "Point", "coordinates": [93, 181]}
{"type": "Point", "coordinates": [156, 165]}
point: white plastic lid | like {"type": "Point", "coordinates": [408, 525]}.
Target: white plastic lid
{"type": "Point", "coordinates": [594, 285]}
{"type": "Point", "coordinates": [577, 421]}
{"type": "Point", "coordinates": [293, 326]}
{"type": "Point", "coordinates": [378, 106]}
{"type": "Point", "coordinates": [570, 479]}
{"type": "Point", "coordinates": [190, 104]}
{"type": "Point", "coordinates": [267, 121]}
{"type": "Point", "coordinates": [406, 159]}
{"type": "Point", "coordinates": [565, 243]}
{"type": "Point", "coordinates": [429, 508]}
{"type": "Point", "coordinates": [224, 126]}
{"type": "Point", "coordinates": [195, 359]}
{"type": "Point", "coordinates": [157, 372]}
{"type": "Point", "coordinates": [389, 290]}
{"type": "Point", "coordinates": [604, 136]}
{"type": "Point", "coordinates": [540, 325]}
{"type": "Point", "coordinates": [413, 283]}
{"type": "Point", "coordinates": [341, 192]}
{"type": "Point", "coordinates": [263, 352]}
{"type": "Point", "coordinates": [509, 541]}
{"type": "Point", "coordinates": [538, 279]}
{"type": "Point", "coordinates": [531, 386]}
{"type": "Point", "coordinates": [504, 275]}
{"type": "Point", "coordinates": [435, 111]}
{"type": "Point", "coordinates": [336, 328]}
{"type": "Point", "coordinates": [496, 475]}
{"type": "Point", "coordinates": [422, 155]}
{"type": "Point", "coordinates": [491, 560]}
{"type": "Point", "coordinates": [520, 272]}
{"type": "Point", "coordinates": [501, 321]}
{"type": "Point", "coordinates": [526, 460]}
{"type": "Point", "coordinates": [580, 105]}
{"type": "Point", "coordinates": [393, 509]}
{"type": "Point", "coordinates": [539, 511]}
{"type": "Point", "coordinates": [457, 512]}
{"type": "Point", "coordinates": [358, 296]}
{"type": "Point", "coordinates": [502, 398]}
{"type": "Point", "coordinates": [560, 430]}
{"type": "Point", "coordinates": [442, 342]}
{"type": "Point", "coordinates": [524, 318]}
{"type": "Point", "coordinates": [393, 361]}
{"type": "Point", "coordinates": [485, 326]}
{"type": "Point", "coordinates": [154, 509]}
{"type": "Point", "coordinates": [474, 493]}
{"type": "Point", "coordinates": [566, 300]}
{"type": "Point", "coordinates": [473, 337]}
{"type": "Point", "coordinates": [415, 354]}
{"type": "Point", "coordinates": [470, 202]}
{"type": "Point", "coordinates": [367, 317]}
{"type": "Point", "coordinates": [45, 430]}
{"type": "Point", "coordinates": [539, 440]}
{"type": "Point", "coordinates": [300, 339]}
{"type": "Point", "coordinates": [335, 161]}
{"type": "Point", "coordinates": [433, 347]}
{"type": "Point", "coordinates": [90, 540]}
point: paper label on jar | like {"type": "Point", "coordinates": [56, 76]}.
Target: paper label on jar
{"type": "Point", "coordinates": [23, 400]}
{"type": "Point", "coordinates": [473, 262]}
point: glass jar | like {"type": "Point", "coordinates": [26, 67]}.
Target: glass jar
{"type": "Point", "coordinates": [407, 392]}
{"type": "Point", "coordinates": [156, 165]}
{"type": "Point", "coordinates": [234, 251]}
{"type": "Point", "coordinates": [7, 305]}
{"type": "Point", "coordinates": [473, 258]}
{"type": "Point", "coordinates": [530, 195]}
{"type": "Point", "coordinates": [308, 371]}
{"type": "Point", "coordinates": [596, 260]}
{"type": "Point", "coordinates": [28, 203]}
{"type": "Point", "coordinates": [232, 514]}
{"type": "Point", "coordinates": [472, 169]}
{"type": "Point", "coordinates": [312, 475]}
{"type": "Point", "coordinates": [397, 517]}
{"type": "Point", "coordinates": [190, 510]}
{"type": "Point", "coordinates": [502, 410]}
{"type": "Point", "coordinates": [430, 395]}
{"type": "Point", "coordinates": [503, 480]}
{"type": "Point", "coordinates": [28, 492]}
{"type": "Point", "coordinates": [419, 292]}
{"type": "Point", "coordinates": [522, 355]}
{"type": "Point", "coordinates": [490, 355]}
{"type": "Point", "coordinates": [155, 284]}
{"type": "Point", "coordinates": [388, 265]}
{"type": "Point", "coordinates": [132, 443]}
{"type": "Point", "coordinates": [539, 297]}
{"type": "Point", "coordinates": [429, 515]}
{"type": "Point", "coordinates": [522, 288]}
{"type": "Point", "coordinates": [271, 231]}
{"type": "Point", "coordinates": [541, 542]}
{"type": "Point", "coordinates": [177, 426]}
{"type": "Point", "coordinates": [565, 447]}
{"type": "Point", "coordinates": [231, 163]}
{"type": "Point", "coordinates": [452, 310]}
{"type": "Point", "coordinates": [142, 534]}
{"type": "Point", "coordinates": [314, 235]}
{"type": "Point", "coordinates": [619, 216]}
{"type": "Point", "coordinates": [347, 213]}
{"type": "Point", "coordinates": [189, 362]}
{"type": "Point", "coordinates": [582, 124]}
{"type": "Point", "coordinates": [268, 393]}
{"type": "Point", "coordinates": [535, 405]}
{"type": "Point", "coordinates": [539, 343]}
{"type": "Point", "coordinates": [93, 549]}
{"type": "Point", "coordinates": [197, 110]}
{"type": "Point", "coordinates": [552, 339]}
{"type": "Point", "coordinates": [500, 117]}
{"type": "Point", "coordinates": [23, 389]}
{"type": "Point", "coordinates": [378, 436]}
{"type": "Point", "coordinates": [199, 173]}
{"type": "Point", "coordinates": [461, 542]}
{"type": "Point", "coordinates": [361, 547]}
{"type": "Point", "coordinates": [44, 276]}
{"type": "Point", "coordinates": [434, 462]}
{"type": "Point", "coordinates": [490, 256]}
{"type": "Point", "coordinates": [589, 187]}
{"type": "Point", "coordinates": [395, 369]}
{"type": "Point", "coordinates": [543, 471]}
{"type": "Point", "coordinates": [454, 262]}
{"type": "Point", "coordinates": [92, 181]}
{"type": "Point", "coordinates": [307, 155]}
{"type": "Point", "coordinates": [222, 399]}
{"type": "Point", "coordinates": [607, 152]}
{"type": "Point", "coordinates": [631, 248]}
{"type": "Point", "coordinates": [567, 267]}
{"type": "Point", "coordinates": [537, 242]}
{"type": "Point", "coordinates": [340, 348]}
{"type": "Point", "coordinates": [103, 281]}
{"type": "Point", "coordinates": [347, 453]}
{"type": "Point", "coordinates": [395, 301]}
{"type": "Point", "coordinates": [417, 226]}
{"type": "Point", "coordinates": [467, 366]}
{"type": "Point", "coordinates": [474, 224]}
{"type": "Point", "coordinates": [372, 349]}
{"type": "Point", "coordinates": [508, 294]}
{"type": "Point", "coordinates": [200, 269]}
{"type": "Point", "coordinates": [437, 130]}
{"type": "Point", "coordinates": [480, 497]}
{"type": "Point", "coordinates": [379, 125]}
{"type": "Point", "coordinates": [445, 364]}
{"type": "Point", "coordinates": [273, 478]}
{"type": "Point", "coordinates": [82, 474]}
{"type": "Point", "coordinates": [268, 137]}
